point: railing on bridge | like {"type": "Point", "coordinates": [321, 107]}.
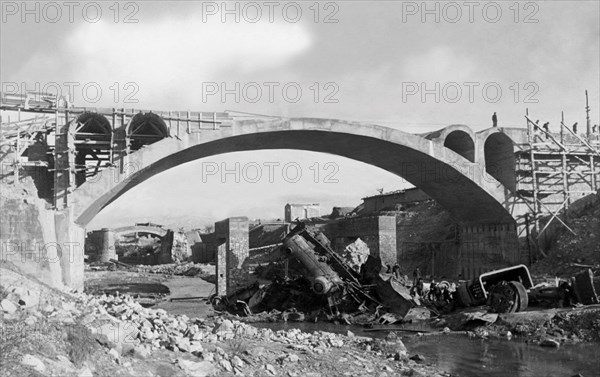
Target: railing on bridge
{"type": "Point", "coordinates": [100, 137]}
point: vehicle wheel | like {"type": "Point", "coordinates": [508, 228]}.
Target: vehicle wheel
{"type": "Point", "coordinates": [508, 297]}
{"type": "Point", "coordinates": [215, 300]}
{"type": "Point", "coordinates": [522, 296]}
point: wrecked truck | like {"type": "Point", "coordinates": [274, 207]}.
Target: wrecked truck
{"type": "Point", "coordinates": [511, 290]}
{"type": "Point", "coordinates": [504, 290]}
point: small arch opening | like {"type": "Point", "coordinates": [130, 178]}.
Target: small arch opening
{"type": "Point", "coordinates": [500, 159]}
{"type": "Point", "coordinates": [93, 135]}
{"type": "Point", "coordinates": [145, 129]}
{"type": "Point", "coordinates": [461, 143]}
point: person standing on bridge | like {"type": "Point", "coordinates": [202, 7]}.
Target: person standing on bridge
{"type": "Point", "coordinates": [494, 120]}
{"type": "Point", "coordinates": [546, 127]}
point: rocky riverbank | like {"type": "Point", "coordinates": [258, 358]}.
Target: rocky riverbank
{"type": "Point", "coordinates": [46, 332]}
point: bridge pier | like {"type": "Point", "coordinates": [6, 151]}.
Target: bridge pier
{"type": "Point", "coordinates": [378, 232]}
{"type": "Point", "coordinates": [232, 237]}
{"type": "Point", "coordinates": [108, 250]}
{"type": "Point", "coordinates": [70, 238]}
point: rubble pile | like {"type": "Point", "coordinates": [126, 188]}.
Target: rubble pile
{"type": "Point", "coordinates": [356, 254]}
{"type": "Point", "coordinates": [183, 269]}
{"type": "Point", "coordinates": [114, 335]}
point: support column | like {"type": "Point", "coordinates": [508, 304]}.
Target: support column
{"type": "Point", "coordinates": [70, 239]}
{"type": "Point", "coordinates": [108, 250]}
{"type": "Point", "coordinates": [166, 248]}
{"type": "Point", "coordinates": [232, 236]}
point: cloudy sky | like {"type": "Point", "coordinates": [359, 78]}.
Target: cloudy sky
{"type": "Point", "coordinates": [395, 63]}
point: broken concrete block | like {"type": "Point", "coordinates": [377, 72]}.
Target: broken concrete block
{"type": "Point", "coordinates": [26, 297]}
{"type": "Point", "coordinates": [195, 346]}
{"type": "Point", "coordinates": [8, 306]}
{"type": "Point", "coordinates": [141, 352]}
{"type": "Point", "coordinates": [225, 326]}
{"type": "Point", "coordinates": [197, 369]}
{"type": "Point", "coordinates": [33, 362]}
{"type": "Point", "coordinates": [226, 364]}
{"type": "Point", "coordinates": [237, 362]}
{"type": "Point", "coordinates": [271, 369]}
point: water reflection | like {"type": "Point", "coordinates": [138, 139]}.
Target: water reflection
{"type": "Point", "coordinates": [475, 357]}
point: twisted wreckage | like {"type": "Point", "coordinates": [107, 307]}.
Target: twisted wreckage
{"type": "Point", "coordinates": [317, 282]}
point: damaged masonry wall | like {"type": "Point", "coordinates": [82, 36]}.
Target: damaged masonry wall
{"type": "Point", "coordinates": [232, 237]}
{"type": "Point", "coordinates": [378, 232]}
{"type": "Point", "coordinates": [101, 245]}
{"type": "Point", "coordinates": [38, 240]}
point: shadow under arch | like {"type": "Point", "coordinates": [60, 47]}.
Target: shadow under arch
{"type": "Point", "coordinates": [409, 156]}
{"type": "Point", "coordinates": [462, 143]}
{"type": "Point", "coordinates": [499, 158]}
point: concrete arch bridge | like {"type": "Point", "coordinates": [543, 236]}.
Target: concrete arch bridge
{"type": "Point", "coordinates": [471, 174]}
{"type": "Point", "coordinates": [99, 154]}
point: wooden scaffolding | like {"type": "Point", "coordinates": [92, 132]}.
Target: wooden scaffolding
{"type": "Point", "coordinates": [553, 170]}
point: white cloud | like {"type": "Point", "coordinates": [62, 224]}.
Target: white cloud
{"type": "Point", "coordinates": [166, 57]}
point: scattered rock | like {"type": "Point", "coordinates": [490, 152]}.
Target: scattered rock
{"type": "Point", "coordinates": [28, 298]}
{"type": "Point", "coordinates": [114, 353]}
{"type": "Point", "coordinates": [271, 369]}
{"type": "Point", "coordinates": [237, 362]}
{"type": "Point", "coordinates": [141, 352]}
{"type": "Point", "coordinates": [293, 358]}
{"type": "Point", "coordinates": [401, 350]}
{"type": "Point", "coordinates": [197, 369]}
{"type": "Point", "coordinates": [8, 306]}
{"type": "Point", "coordinates": [33, 362]}
{"type": "Point", "coordinates": [226, 364]}
{"type": "Point", "coordinates": [417, 357]}
{"type": "Point", "coordinates": [256, 351]}
{"type": "Point", "coordinates": [224, 327]}
{"type": "Point", "coordinates": [196, 347]}
{"type": "Point", "coordinates": [48, 309]}
{"type": "Point", "coordinates": [85, 372]}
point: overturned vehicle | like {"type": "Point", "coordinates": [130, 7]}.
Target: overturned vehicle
{"type": "Point", "coordinates": [322, 284]}
{"type": "Point", "coordinates": [511, 290]}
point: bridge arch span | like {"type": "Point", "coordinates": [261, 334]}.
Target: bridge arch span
{"type": "Point", "coordinates": [440, 172]}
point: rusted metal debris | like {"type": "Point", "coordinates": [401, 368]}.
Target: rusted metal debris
{"type": "Point", "coordinates": [327, 286]}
